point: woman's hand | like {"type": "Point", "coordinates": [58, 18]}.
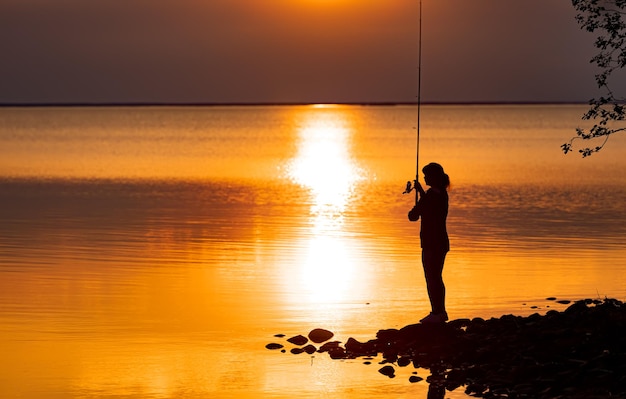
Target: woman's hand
{"type": "Point", "coordinates": [419, 188]}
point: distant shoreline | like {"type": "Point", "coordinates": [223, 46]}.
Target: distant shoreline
{"type": "Point", "coordinates": [255, 104]}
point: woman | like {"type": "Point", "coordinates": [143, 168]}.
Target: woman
{"type": "Point", "coordinates": [432, 207]}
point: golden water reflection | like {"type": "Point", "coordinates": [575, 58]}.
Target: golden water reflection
{"type": "Point", "coordinates": [324, 166]}
{"type": "Point", "coordinates": [323, 163]}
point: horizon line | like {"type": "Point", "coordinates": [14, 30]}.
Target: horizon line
{"type": "Point", "coordinates": [251, 104]}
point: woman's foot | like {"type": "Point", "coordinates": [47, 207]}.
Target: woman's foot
{"type": "Point", "coordinates": [435, 318]}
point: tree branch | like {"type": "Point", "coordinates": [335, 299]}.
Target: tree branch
{"type": "Point", "coordinates": [606, 16]}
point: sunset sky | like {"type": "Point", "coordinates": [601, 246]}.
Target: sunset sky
{"type": "Point", "coordinates": [303, 51]}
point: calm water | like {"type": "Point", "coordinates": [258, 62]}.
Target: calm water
{"type": "Point", "coordinates": [153, 252]}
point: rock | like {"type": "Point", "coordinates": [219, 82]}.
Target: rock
{"type": "Point", "coordinates": [328, 346]}
{"type": "Point", "coordinates": [552, 313]}
{"type": "Point", "coordinates": [415, 378]}
{"type": "Point", "coordinates": [298, 340]}
{"type": "Point", "coordinates": [320, 335]}
{"type": "Point", "coordinates": [355, 348]}
{"type": "Point", "coordinates": [337, 353]}
{"type": "Point", "coordinates": [273, 346]}
{"type": "Point", "coordinates": [389, 371]}
{"type": "Point", "coordinates": [459, 323]}
{"type": "Point", "coordinates": [404, 361]}
{"type": "Point", "coordinates": [310, 349]}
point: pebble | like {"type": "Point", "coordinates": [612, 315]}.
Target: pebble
{"type": "Point", "coordinates": [298, 340]}
{"type": "Point", "coordinates": [389, 371]}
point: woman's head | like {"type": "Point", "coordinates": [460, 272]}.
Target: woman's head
{"type": "Point", "coordinates": [434, 176]}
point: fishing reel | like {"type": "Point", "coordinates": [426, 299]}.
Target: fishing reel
{"type": "Point", "coordinates": [410, 186]}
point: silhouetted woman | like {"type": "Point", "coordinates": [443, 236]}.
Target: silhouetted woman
{"type": "Point", "coordinates": [432, 207]}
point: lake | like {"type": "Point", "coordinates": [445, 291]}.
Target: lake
{"type": "Point", "coordinates": [153, 252]}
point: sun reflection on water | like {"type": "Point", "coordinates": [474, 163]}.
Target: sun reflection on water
{"type": "Point", "coordinates": [324, 166]}
{"type": "Point", "coordinates": [323, 163]}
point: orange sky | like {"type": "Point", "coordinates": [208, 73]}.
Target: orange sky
{"type": "Point", "coordinates": [229, 51]}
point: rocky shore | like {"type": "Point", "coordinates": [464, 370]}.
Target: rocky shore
{"type": "Point", "coordinates": [577, 353]}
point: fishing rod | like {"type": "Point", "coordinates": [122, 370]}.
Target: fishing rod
{"type": "Point", "coordinates": [410, 186]}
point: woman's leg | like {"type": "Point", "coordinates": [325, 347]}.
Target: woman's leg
{"type": "Point", "coordinates": [433, 261]}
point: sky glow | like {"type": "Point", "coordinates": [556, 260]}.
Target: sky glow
{"type": "Point", "coordinates": [307, 51]}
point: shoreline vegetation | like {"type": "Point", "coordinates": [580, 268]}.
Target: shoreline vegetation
{"type": "Point", "coordinates": [576, 353]}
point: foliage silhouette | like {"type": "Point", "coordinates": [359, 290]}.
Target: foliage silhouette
{"type": "Point", "coordinates": [606, 18]}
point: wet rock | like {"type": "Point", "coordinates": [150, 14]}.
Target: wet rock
{"type": "Point", "coordinates": [337, 353]}
{"type": "Point", "coordinates": [389, 371]}
{"type": "Point", "coordinates": [320, 335]}
{"type": "Point", "coordinates": [404, 361]}
{"type": "Point", "coordinates": [353, 345]}
{"type": "Point", "coordinates": [333, 349]}
{"type": "Point", "coordinates": [328, 346]}
{"type": "Point", "coordinates": [298, 340]}
{"type": "Point", "coordinates": [357, 348]}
